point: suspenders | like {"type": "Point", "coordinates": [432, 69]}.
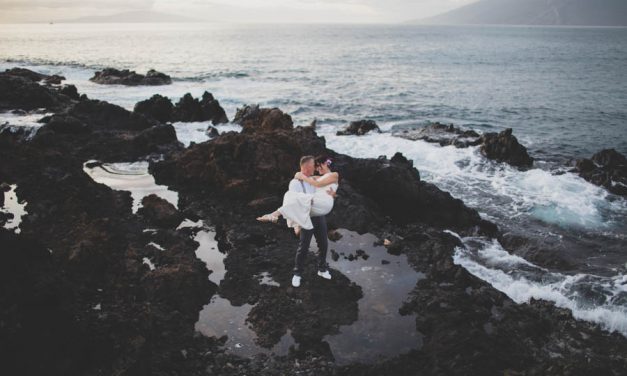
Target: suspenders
{"type": "Point", "coordinates": [305, 191]}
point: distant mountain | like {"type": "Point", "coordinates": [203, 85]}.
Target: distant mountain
{"type": "Point", "coordinates": [536, 12]}
{"type": "Point", "coordinates": [132, 17]}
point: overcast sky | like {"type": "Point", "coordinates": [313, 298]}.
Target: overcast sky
{"type": "Point", "coordinates": [233, 10]}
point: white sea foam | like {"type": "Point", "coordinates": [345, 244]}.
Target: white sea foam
{"type": "Point", "coordinates": [27, 121]}
{"type": "Point", "coordinates": [196, 131]}
{"type": "Point", "coordinates": [588, 297]}
{"type": "Point", "coordinates": [565, 200]}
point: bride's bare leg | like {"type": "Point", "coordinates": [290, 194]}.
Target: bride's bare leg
{"type": "Point", "coordinates": [272, 217]}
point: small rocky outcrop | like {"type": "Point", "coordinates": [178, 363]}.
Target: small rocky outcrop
{"type": "Point", "coordinates": [19, 89]}
{"type": "Point", "coordinates": [206, 108]}
{"type": "Point", "coordinates": [112, 76]}
{"type": "Point", "coordinates": [157, 106]}
{"type": "Point", "coordinates": [254, 119]}
{"type": "Point", "coordinates": [160, 212]}
{"type": "Point", "coordinates": [442, 134]}
{"type": "Point", "coordinates": [504, 147]}
{"type": "Point", "coordinates": [359, 128]}
{"type": "Point", "coordinates": [35, 76]}
{"type": "Point", "coordinates": [607, 168]}
{"type": "Point", "coordinates": [187, 109]}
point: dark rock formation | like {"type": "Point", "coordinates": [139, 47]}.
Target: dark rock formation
{"type": "Point", "coordinates": [93, 129]}
{"type": "Point", "coordinates": [212, 132]}
{"type": "Point", "coordinates": [188, 109]}
{"type": "Point", "coordinates": [35, 76]}
{"type": "Point", "coordinates": [22, 92]}
{"type": "Point", "coordinates": [70, 91]}
{"type": "Point", "coordinates": [158, 107]}
{"type": "Point", "coordinates": [607, 168]}
{"type": "Point", "coordinates": [112, 76]}
{"type": "Point", "coordinates": [160, 212]}
{"type": "Point", "coordinates": [442, 134]}
{"type": "Point", "coordinates": [76, 298]}
{"type": "Point", "coordinates": [504, 147]}
{"type": "Point", "coordinates": [254, 119]}
{"type": "Point", "coordinates": [359, 128]}
{"type": "Point", "coordinates": [207, 108]}
{"type": "Point", "coordinates": [260, 162]}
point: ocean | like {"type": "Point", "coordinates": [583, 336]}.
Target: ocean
{"type": "Point", "coordinates": [563, 90]}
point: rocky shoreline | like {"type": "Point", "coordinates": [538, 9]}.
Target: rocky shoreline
{"type": "Point", "coordinates": [76, 297]}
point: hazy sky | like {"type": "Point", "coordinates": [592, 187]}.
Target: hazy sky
{"type": "Point", "coordinates": [233, 10]}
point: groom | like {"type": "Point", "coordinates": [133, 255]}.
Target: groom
{"type": "Point", "coordinates": [307, 167]}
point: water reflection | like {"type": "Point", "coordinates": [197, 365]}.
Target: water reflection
{"type": "Point", "coordinates": [16, 208]}
{"type": "Point", "coordinates": [353, 317]}
{"type": "Point", "coordinates": [133, 177]}
{"type": "Point", "coordinates": [386, 281]}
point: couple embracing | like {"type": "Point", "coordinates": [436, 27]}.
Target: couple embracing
{"type": "Point", "coordinates": [306, 203]}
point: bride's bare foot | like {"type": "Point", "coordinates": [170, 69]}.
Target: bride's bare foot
{"type": "Point", "coordinates": [297, 230]}
{"type": "Point", "coordinates": [268, 218]}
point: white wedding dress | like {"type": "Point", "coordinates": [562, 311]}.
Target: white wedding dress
{"type": "Point", "coordinates": [299, 207]}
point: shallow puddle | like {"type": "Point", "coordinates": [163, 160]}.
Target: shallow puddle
{"type": "Point", "coordinates": [386, 280]}
{"type": "Point", "coordinates": [132, 177]}
{"type": "Point", "coordinates": [219, 317]}
{"type": "Point", "coordinates": [380, 330]}
{"type": "Point", "coordinates": [12, 205]}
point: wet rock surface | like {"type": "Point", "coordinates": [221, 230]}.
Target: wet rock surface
{"type": "Point", "coordinates": [76, 297]}
{"type": "Point", "coordinates": [359, 128]}
{"type": "Point", "coordinates": [21, 89]}
{"type": "Point", "coordinates": [504, 147]}
{"type": "Point", "coordinates": [441, 134]}
{"type": "Point", "coordinates": [187, 109]}
{"type": "Point", "coordinates": [112, 76]}
{"type": "Point", "coordinates": [254, 119]}
{"type": "Point", "coordinates": [607, 168]}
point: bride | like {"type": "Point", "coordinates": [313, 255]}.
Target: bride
{"type": "Point", "coordinates": [299, 207]}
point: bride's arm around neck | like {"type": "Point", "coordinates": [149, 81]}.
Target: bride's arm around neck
{"type": "Point", "coordinates": [330, 178]}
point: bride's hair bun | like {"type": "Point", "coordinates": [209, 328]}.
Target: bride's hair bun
{"type": "Point", "coordinates": [323, 160]}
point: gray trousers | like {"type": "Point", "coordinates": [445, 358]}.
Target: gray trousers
{"type": "Point", "coordinates": [320, 232]}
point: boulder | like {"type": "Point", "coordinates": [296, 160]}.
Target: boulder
{"type": "Point", "coordinates": [158, 107]}
{"type": "Point", "coordinates": [154, 139]}
{"type": "Point", "coordinates": [212, 132]}
{"type": "Point", "coordinates": [160, 212]}
{"type": "Point", "coordinates": [207, 108]}
{"type": "Point", "coordinates": [106, 116]}
{"type": "Point", "coordinates": [241, 165]}
{"type": "Point", "coordinates": [359, 128]}
{"type": "Point", "coordinates": [607, 168]}
{"type": "Point", "coordinates": [254, 119]}
{"type": "Point", "coordinates": [112, 76]}
{"type": "Point", "coordinates": [504, 147]}
{"type": "Point", "coordinates": [69, 91]}
{"type": "Point", "coordinates": [18, 92]}
{"type": "Point", "coordinates": [64, 124]}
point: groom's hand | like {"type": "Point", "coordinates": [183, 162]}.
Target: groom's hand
{"type": "Point", "coordinates": [331, 192]}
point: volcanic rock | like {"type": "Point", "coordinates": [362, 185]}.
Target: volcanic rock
{"type": "Point", "coordinates": [112, 76]}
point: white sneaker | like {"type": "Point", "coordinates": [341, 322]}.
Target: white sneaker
{"type": "Point", "coordinates": [325, 274]}
{"type": "Point", "coordinates": [296, 280]}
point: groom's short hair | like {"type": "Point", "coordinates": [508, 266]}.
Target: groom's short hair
{"type": "Point", "coordinates": [306, 158]}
